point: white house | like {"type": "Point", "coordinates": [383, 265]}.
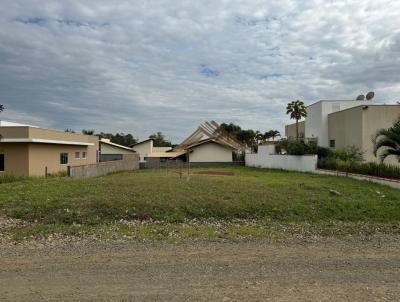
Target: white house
{"type": "Point", "coordinates": [316, 125]}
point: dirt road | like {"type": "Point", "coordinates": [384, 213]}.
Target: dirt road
{"type": "Point", "coordinates": [294, 270]}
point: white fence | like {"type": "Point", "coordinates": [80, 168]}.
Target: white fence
{"type": "Point", "coordinates": [265, 158]}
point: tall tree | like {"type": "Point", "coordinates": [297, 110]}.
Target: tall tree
{"type": "Point", "coordinates": [387, 142]}
{"type": "Point", "coordinates": [2, 108]}
{"type": "Point", "coordinates": [160, 140]}
{"type": "Point", "coordinates": [297, 111]}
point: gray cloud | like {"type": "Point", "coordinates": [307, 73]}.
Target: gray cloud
{"type": "Point", "coordinates": [145, 66]}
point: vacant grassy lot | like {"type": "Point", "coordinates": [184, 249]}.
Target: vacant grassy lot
{"type": "Point", "coordinates": [250, 202]}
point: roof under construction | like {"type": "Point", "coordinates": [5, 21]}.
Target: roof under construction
{"type": "Point", "coordinates": [211, 131]}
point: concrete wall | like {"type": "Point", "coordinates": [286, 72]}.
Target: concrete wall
{"type": "Point", "coordinates": [357, 126]}
{"type": "Point", "coordinates": [304, 163]}
{"type": "Point", "coordinates": [345, 128]}
{"type": "Point", "coordinates": [375, 118]}
{"type": "Point", "coordinates": [290, 130]}
{"type": "Point", "coordinates": [210, 152]}
{"type": "Point", "coordinates": [128, 162]}
{"type": "Point", "coordinates": [265, 158]}
{"type": "Point", "coordinates": [16, 159]}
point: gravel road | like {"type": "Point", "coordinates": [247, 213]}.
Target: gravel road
{"type": "Point", "coordinates": [292, 270]}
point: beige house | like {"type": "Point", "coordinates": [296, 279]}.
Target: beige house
{"type": "Point", "coordinates": [111, 151]}
{"type": "Point", "coordinates": [31, 151]}
{"type": "Point", "coordinates": [210, 151]}
{"type": "Point", "coordinates": [356, 127]}
{"type": "Point", "coordinates": [290, 130]}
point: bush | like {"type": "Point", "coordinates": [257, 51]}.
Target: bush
{"type": "Point", "coordinates": [299, 147]}
{"type": "Point", "coordinates": [348, 154]}
{"type": "Point", "coordinates": [372, 169]}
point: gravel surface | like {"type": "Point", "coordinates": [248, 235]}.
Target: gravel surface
{"type": "Point", "coordinates": [352, 269]}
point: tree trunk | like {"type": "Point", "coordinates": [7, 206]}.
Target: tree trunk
{"type": "Point", "coordinates": [297, 129]}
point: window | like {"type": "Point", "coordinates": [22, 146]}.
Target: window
{"type": "Point", "coordinates": [332, 143]}
{"type": "Point", "coordinates": [1, 162]}
{"type": "Point", "coordinates": [84, 155]}
{"type": "Point", "coordinates": [64, 158]}
{"type": "Point", "coordinates": [77, 155]}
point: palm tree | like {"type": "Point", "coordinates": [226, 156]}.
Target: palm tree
{"type": "Point", "coordinates": [267, 135]}
{"type": "Point", "coordinates": [2, 108]}
{"type": "Point", "coordinates": [259, 137]}
{"type": "Point", "coordinates": [388, 140]}
{"type": "Point", "coordinates": [297, 110]}
{"type": "Point", "coordinates": [273, 134]}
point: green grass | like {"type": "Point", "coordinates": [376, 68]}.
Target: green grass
{"type": "Point", "coordinates": [264, 196]}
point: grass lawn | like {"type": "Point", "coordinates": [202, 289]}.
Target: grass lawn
{"type": "Point", "coordinates": [152, 203]}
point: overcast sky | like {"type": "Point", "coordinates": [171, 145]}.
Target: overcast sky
{"type": "Point", "coordinates": [145, 66]}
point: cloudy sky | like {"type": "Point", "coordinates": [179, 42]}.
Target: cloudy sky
{"type": "Point", "coordinates": [145, 66]}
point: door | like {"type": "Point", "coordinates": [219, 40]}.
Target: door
{"type": "Point", "coordinates": [1, 162]}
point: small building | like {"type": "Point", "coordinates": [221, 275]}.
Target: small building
{"type": "Point", "coordinates": [357, 126]}
{"type": "Point", "coordinates": [290, 130]}
{"type": "Point", "coordinates": [210, 151]}
{"type": "Point", "coordinates": [146, 150]}
{"type": "Point", "coordinates": [208, 144]}
{"type": "Point", "coordinates": [32, 151]}
{"type": "Point", "coordinates": [111, 151]}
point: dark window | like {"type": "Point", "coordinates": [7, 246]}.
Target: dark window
{"type": "Point", "coordinates": [332, 143]}
{"type": "Point", "coordinates": [63, 158]}
{"type": "Point", "coordinates": [84, 155]}
{"type": "Point", "coordinates": [1, 162]}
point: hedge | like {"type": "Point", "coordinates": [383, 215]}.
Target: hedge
{"type": "Point", "coordinates": [372, 169]}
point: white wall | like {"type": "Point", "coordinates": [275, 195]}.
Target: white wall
{"type": "Point", "coordinates": [109, 149]}
{"type": "Point", "coordinates": [144, 149]}
{"type": "Point", "coordinates": [210, 152]}
{"type": "Point", "coordinates": [265, 158]}
{"type": "Point", "coordinates": [317, 118]}
{"type": "Point", "coordinates": [301, 163]}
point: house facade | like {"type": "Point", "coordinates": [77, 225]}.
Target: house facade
{"type": "Point", "coordinates": [111, 151]}
{"type": "Point", "coordinates": [339, 124]}
{"type": "Point", "coordinates": [31, 151]}
{"type": "Point", "coordinates": [357, 126]}
{"type": "Point", "coordinates": [316, 124]}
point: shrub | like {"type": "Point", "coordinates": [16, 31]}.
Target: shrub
{"type": "Point", "coordinates": [372, 169]}
{"type": "Point", "coordinates": [350, 154]}
{"type": "Point", "coordinates": [299, 147]}
{"type": "Point", "coordinates": [296, 148]}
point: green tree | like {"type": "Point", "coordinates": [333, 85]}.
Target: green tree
{"type": "Point", "coordinates": [387, 142]}
{"type": "Point", "coordinates": [2, 108]}
{"type": "Point", "coordinates": [159, 140]}
{"type": "Point", "coordinates": [272, 134]}
{"type": "Point", "coordinates": [69, 130]}
{"type": "Point", "coordinates": [88, 131]}
{"type": "Point", "coordinates": [297, 111]}
{"type": "Point", "coordinates": [119, 138]}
